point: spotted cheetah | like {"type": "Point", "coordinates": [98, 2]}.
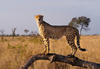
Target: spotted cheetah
{"type": "Point", "coordinates": [49, 31]}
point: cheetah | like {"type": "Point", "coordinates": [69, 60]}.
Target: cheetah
{"type": "Point", "coordinates": [55, 32]}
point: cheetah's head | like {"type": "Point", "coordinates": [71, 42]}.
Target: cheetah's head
{"type": "Point", "coordinates": [39, 18]}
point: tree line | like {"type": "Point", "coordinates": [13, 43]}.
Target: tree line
{"type": "Point", "coordinates": [80, 22]}
{"type": "Point", "coordinates": [14, 34]}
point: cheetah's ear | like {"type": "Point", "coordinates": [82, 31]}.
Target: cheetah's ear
{"type": "Point", "coordinates": [34, 15]}
{"type": "Point", "coordinates": [42, 15]}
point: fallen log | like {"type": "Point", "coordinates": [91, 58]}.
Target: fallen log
{"type": "Point", "coordinates": [74, 61]}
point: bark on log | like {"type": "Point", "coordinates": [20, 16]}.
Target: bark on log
{"type": "Point", "coordinates": [74, 61]}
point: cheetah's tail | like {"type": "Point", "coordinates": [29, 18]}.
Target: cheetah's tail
{"type": "Point", "coordinates": [78, 43]}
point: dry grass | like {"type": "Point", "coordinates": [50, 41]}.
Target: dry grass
{"type": "Point", "coordinates": [14, 53]}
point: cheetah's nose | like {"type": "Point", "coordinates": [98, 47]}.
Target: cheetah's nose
{"type": "Point", "coordinates": [39, 19]}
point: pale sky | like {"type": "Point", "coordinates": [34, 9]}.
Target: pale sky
{"type": "Point", "coordinates": [20, 14]}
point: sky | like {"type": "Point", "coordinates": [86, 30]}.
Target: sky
{"type": "Point", "coordinates": [20, 14]}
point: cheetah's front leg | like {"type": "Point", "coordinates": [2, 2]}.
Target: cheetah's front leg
{"type": "Point", "coordinates": [46, 42]}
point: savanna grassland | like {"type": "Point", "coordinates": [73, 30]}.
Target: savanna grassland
{"type": "Point", "coordinates": [15, 52]}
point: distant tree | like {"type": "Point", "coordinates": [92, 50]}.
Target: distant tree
{"type": "Point", "coordinates": [82, 21]}
{"type": "Point", "coordinates": [17, 35]}
{"type": "Point", "coordinates": [33, 33]}
{"type": "Point", "coordinates": [2, 31]}
{"type": "Point", "coordinates": [26, 31]}
{"type": "Point", "coordinates": [74, 23]}
{"type": "Point", "coordinates": [13, 32]}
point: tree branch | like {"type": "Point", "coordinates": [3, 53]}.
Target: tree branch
{"type": "Point", "coordinates": [75, 61]}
